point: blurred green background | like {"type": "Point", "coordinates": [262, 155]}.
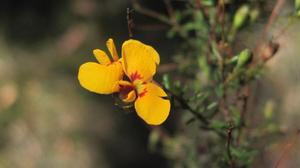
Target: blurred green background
{"type": "Point", "coordinates": [48, 120]}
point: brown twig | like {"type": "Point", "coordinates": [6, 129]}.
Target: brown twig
{"type": "Point", "coordinates": [223, 107]}
{"type": "Point", "coordinates": [186, 106]}
{"type": "Point", "coordinates": [167, 68]}
{"type": "Point", "coordinates": [228, 146]}
{"type": "Point", "coordinates": [270, 22]}
{"type": "Point", "coordinates": [287, 149]}
{"type": "Point", "coordinates": [285, 28]}
{"type": "Point", "coordinates": [206, 124]}
{"type": "Point", "coordinates": [129, 22]}
{"type": "Point", "coordinates": [221, 19]}
{"type": "Point", "coordinates": [151, 13]}
{"type": "Point", "coordinates": [244, 100]}
{"type": "Point", "coordinates": [171, 20]}
{"type": "Point", "coordinates": [198, 4]}
{"type": "Point", "coordinates": [169, 8]}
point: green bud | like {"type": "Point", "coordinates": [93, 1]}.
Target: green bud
{"type": "Point", "coordinates": [297, 5]}
{"type": "Point", "coordinates": [244, 57]}
{"type": "Point", "coordinates": [233, 60]}
{"type": "Point", "coordinates": [269, 110]}
{"type": "Point", "coordinates": [240, 16]}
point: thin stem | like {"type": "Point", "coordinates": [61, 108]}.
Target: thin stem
{"type": "Point", "coordinates": [221, 19]}
{"type": "Point", "coordinates": [169, 8]}
{"type": "Point", "coordinates": [244, 99]}
{"type": "Point", "coordinates": [137, 6]}
{"type": "Point", "coordinates": [287, 148]}
{"type": "Point", "coordinates": [171, 20]}
{"type": "Point", "coordinates": [199, 117]}
{"type": "Point", "coordinates": [228, 146]}
{"type": "Point", "coordinates": [185, 105]}
{"type": "Point", "coordinates": [129, 22]}
{"type": "Point", "coordinates": [272, 18]}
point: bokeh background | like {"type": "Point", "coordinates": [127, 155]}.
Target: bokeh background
{"type": "Point", "coordinates": [47, 120]}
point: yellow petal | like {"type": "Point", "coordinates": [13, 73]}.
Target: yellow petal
{"type": "Point", "coordinates": [101, 57]}
{"type": "Point", "coordinates": [152, 106]}
{"type": "Point", "coordinates": [124, 83]}
{"type": "Point", "coordinates": [130, 97]}
{"type": "Point", "coordinates": [112, 49]}
{"type": "Point", "coordinates": [99, 78]}
{"type": "Point", "coordinates": [139, 60]}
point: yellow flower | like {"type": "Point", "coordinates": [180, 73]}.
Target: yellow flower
{"type": "Point", "coordinates": [138, 62]}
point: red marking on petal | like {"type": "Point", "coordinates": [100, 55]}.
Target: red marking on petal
{"type": "Point", "coordinates": [143, 93]}
{"type": "Point", "coordinates": [135, 76]}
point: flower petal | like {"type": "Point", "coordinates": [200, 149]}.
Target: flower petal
{"type": "Point", "coordinates": [130, 97]}
{"type": "Point", "coordinates": [125, 83]}
{"type": "Point", "coordinates": [112, 49]}
{"type": "Point", "coordinates": [127, 91]}
{"type": "Point", "coordinates": [99, 78]}
{"type": "Point", "coordinates": [152, 106]}
{"type": "Point", "coordinates": [101, 57]}
{"type": "Point", "coordinates": [139, 59]}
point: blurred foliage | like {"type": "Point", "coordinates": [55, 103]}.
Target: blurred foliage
{"type": "Point", "coordinates": [215, 83]}
{"type": "Point", "coordinates": [48, 120]}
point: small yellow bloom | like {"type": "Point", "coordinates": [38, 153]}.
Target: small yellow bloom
{"type": "Point", "coordinates": [138, 62]}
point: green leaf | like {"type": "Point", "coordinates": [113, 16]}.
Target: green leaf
{"type": "Point", "coordinates": [236, 115]}
{"type": "Point", "coordinates": [207, 2]}
{"type": "Point", "coordinates": [166, 81]}
{"type": "Point", "coordinates": [243, 155]}
{"type": "Point", "coordinates": [212, 106]}
{"type": "Point", "coordinates": [219, 90]}
{"type": "Point", "coordinates": [202, 62]}
{"type": "Point", "coordinates": [219, 125]}
{"type": "Point", "coordinates": [189, 26]}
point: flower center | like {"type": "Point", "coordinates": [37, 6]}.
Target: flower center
{"type": "Point", "coordinates": [127, 92]}
{"type": "Point", "coordinates": [130, 90]}
{"type": "Point", "coordinates": [137, 80]}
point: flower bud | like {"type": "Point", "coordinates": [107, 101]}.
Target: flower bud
{"type": "Point", "coordinates": [244, 57]}
{"type": "Point", "coordinates": [297, 7]}
{"type": "Point", "coordinates": [240, 16]}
